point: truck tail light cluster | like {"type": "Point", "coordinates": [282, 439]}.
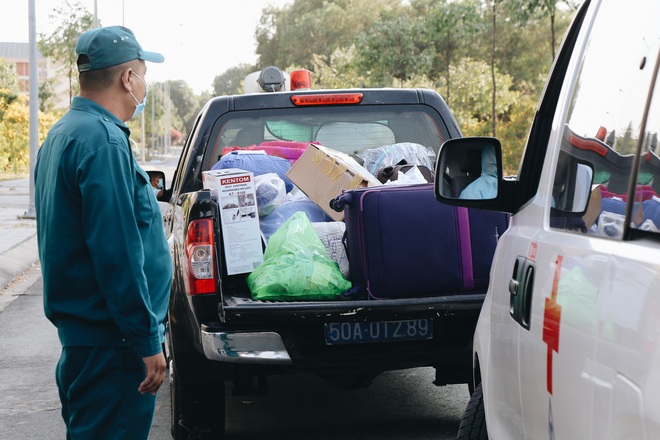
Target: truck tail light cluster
{"type": "Point", "coordinates": [327, 99]}
{"type": "Point", "coordinates": [200, 253]}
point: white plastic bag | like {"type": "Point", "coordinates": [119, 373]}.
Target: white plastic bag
{"type": "Point", "coordinates": [412, 176]}
{"type": "Point", "coordinates": [376, 159]}
{"type": "Point", "coordinates": [271, 192]}
{"type": "Point", "coordinates": [610, 224]}
{"type": "Point", "coordinates": [331, 235]}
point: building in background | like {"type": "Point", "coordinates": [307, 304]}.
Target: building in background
{"type": "Point", "coordinates": [18, 54]}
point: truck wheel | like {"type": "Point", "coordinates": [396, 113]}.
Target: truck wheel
{"type": "Point", "coordinates": [198, 409]}
{"type": "Point", "coordinates": [473, 423]}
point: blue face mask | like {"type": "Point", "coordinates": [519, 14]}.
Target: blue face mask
{"type": "Point", "coordinates": [140, 105]}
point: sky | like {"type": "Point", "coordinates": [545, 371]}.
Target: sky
{"type": "Point", "coordinates": [200, 39]}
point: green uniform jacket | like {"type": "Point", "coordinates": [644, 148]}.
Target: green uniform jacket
{"type": "Point", "coordinates": [105, 261]}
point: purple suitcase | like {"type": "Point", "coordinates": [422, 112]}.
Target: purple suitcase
{"type": "Point", "coordinates": [402, 243]}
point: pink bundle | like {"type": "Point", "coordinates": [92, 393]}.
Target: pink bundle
{"type": "Point", "coordinates": [290, 150]}
{"type": "Point", "coordinates": [642, 193]}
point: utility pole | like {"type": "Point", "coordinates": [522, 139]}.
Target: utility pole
{"type": "Point", "coordinates": [153, 105]}
{"type": "Point", "coordinates": [143, 156]}
{"type": "Point", "coordinates": [167, 138]}
{"type": "Point", "coordinates": [34, 104]}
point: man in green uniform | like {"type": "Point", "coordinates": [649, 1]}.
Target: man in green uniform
{"type": "Point", "coordinates": [104, 257]}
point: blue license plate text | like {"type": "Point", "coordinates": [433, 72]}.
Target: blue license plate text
{"type": "Point", "coordinates": [383, 331]}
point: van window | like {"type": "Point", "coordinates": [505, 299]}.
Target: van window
{"type": "Point", "coordinates": [602, 130]}
{"type": "Point", "coordinates": [646, 210]}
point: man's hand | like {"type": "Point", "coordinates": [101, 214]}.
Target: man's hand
{"type": "Point", "coordinates": [155, 374]}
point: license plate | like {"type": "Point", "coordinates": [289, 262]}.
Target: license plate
{"type": "Point", "coordinates": [383, 331]}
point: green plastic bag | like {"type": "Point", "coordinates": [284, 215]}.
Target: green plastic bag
{"type": "Point", "coordinates": [296, 266]}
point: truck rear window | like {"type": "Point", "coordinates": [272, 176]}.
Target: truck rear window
{"type": "Point", "coordinates": [351, 130]}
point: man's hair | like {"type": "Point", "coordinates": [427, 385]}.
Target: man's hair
{"type": "Point", "coordinates": [102, 79]}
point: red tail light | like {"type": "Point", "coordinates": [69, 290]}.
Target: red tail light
{"type": "Point", "coordinates": [589, 144]}
{"type": "Point", "coordinates": [327, 99]}
{"type": "Point", "coordinates": [200, 252]}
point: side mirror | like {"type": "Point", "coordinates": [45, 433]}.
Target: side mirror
{"type": "Point", "coordinates": [584, 179]}
{"type": "Point", "coordinates": [469, 169]}
{"type": "Point", "coordinates": [572, 186]}
{"type": "Point", "coordinates": [157, 180]}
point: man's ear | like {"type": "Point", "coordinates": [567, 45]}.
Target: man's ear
{"type": "Point", "coordinates": [127, 79]}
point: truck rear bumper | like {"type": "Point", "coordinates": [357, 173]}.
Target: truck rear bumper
{"type": "Point", "coordinates": [265, 348]}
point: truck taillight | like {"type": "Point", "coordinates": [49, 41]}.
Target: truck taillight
{"type": "Point", "coordinates": [301, 79]}
{"type": "Point", "coordinates": [327, 99]}
{"type": "Point", "coordinates": [200, 252]}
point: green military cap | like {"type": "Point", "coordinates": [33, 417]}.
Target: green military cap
{"type": "Point", "coordinates": [108, 46]}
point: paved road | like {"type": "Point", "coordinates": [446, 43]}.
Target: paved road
{"type": "Point", "coordinates": [398, 405]}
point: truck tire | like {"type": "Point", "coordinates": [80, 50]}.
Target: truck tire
{"type": "Point", "coordinates": [198, 409]}
{"type": "Point", "coordinates": [473, 423]}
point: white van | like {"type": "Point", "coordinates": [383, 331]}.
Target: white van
{"type": "Point", "coordinates": [568, 341]}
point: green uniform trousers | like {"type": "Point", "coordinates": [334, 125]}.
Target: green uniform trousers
{"type": "Point", "coordinates": [98, 388]}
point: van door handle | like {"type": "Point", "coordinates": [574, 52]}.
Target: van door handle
{"type": "Point", "coordinates": [521, 286]}
{"type": "Point", "coordinates": [513, 286]}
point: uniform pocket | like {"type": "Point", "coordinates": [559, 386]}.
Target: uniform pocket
{"type": "Point", "coordinates": [146, 206]}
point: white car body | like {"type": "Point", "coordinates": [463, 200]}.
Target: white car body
{"type": "Point", "coordinates": [577, 356]}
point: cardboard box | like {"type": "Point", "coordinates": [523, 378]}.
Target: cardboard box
{"type": "Point", "coordinates": [322, 174]}
{"type": "Point", "coordinates": [593, 209]}
{"type": "Point", "coordinates": [239, 218]}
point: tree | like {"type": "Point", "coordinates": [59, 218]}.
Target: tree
{"type": "Point", "coordinates": [15, 133]}
{"type": "Point", "coordinates": [154, 120]}
{"type": "Point", "coordinates": [472, 93]}
{"type": "Point", "coordinates": [46, 93]}
{"type": "Point", "coordinates": [60, 45]}
{"type": "Point", "coordinates": [185, 103]}
{"type": "Point", "coordinates": [231, 81]}
{"type": "Point", "coordinates": [338, 72]}
{"type": "Point", "coordinates": [514, 127]}
{"type": "Point", "coordinates": [8, 87]}
{"type": "Point", "coordinates": [8, 79]}
{"type": "Point", "coordinates": [448, 25]}
{"type": "Point", "coordinates": [413, 56]}
{"type": "Point", "coordinates": [491, 57]}
{"type": "Point", "coordinates": [293, 34]}
{"type": "Point", "coordinates": [523, 54]}
{"type": "Point", "coordinates": [493, 68]}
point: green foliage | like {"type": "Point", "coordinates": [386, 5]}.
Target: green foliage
{"type": "Point", "coordinates": [293, 34]}
{"type": "Point", "coordinates": [15, 133]}
{"type": "Point", "coordinates": [447, 26]}
{"type": "Point", "coordinates": [413, 56]}
{"type": "Point", "coordinates": [231, 81]}
{"type": "Point", "coordinates": [446, 45]}
{"type": "Point", "coordinates": [155, 119]}
{"type": "Point", "coordinates": [184, 104]}
{"type": "Point", "coordinates": [60, 45]}
{"type": "Point", "coordinates": [8, 79]}
{"type": "Point", "coordinates": [513, 131]}
{"type": "Point", "coordinates": [14, 122]}
{"type": "Point", "coordinates": [45, 94]}
{"type": "Point", "coordinates": [338, 72]}
{"type": "Point", "coordinates": [9, 91]}
{"type": "Point", "coordinates": [462, 48]}
{"type": "Point", "coordinates": [471, 91]}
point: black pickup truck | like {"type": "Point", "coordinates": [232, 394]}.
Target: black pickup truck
{"type": "Point", "coordinates": [218, 334]}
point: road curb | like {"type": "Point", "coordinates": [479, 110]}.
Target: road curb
{"type": "Point", "coordinates": [17, 260]}
{"type": "Point", "coordinates": [19, 286]}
